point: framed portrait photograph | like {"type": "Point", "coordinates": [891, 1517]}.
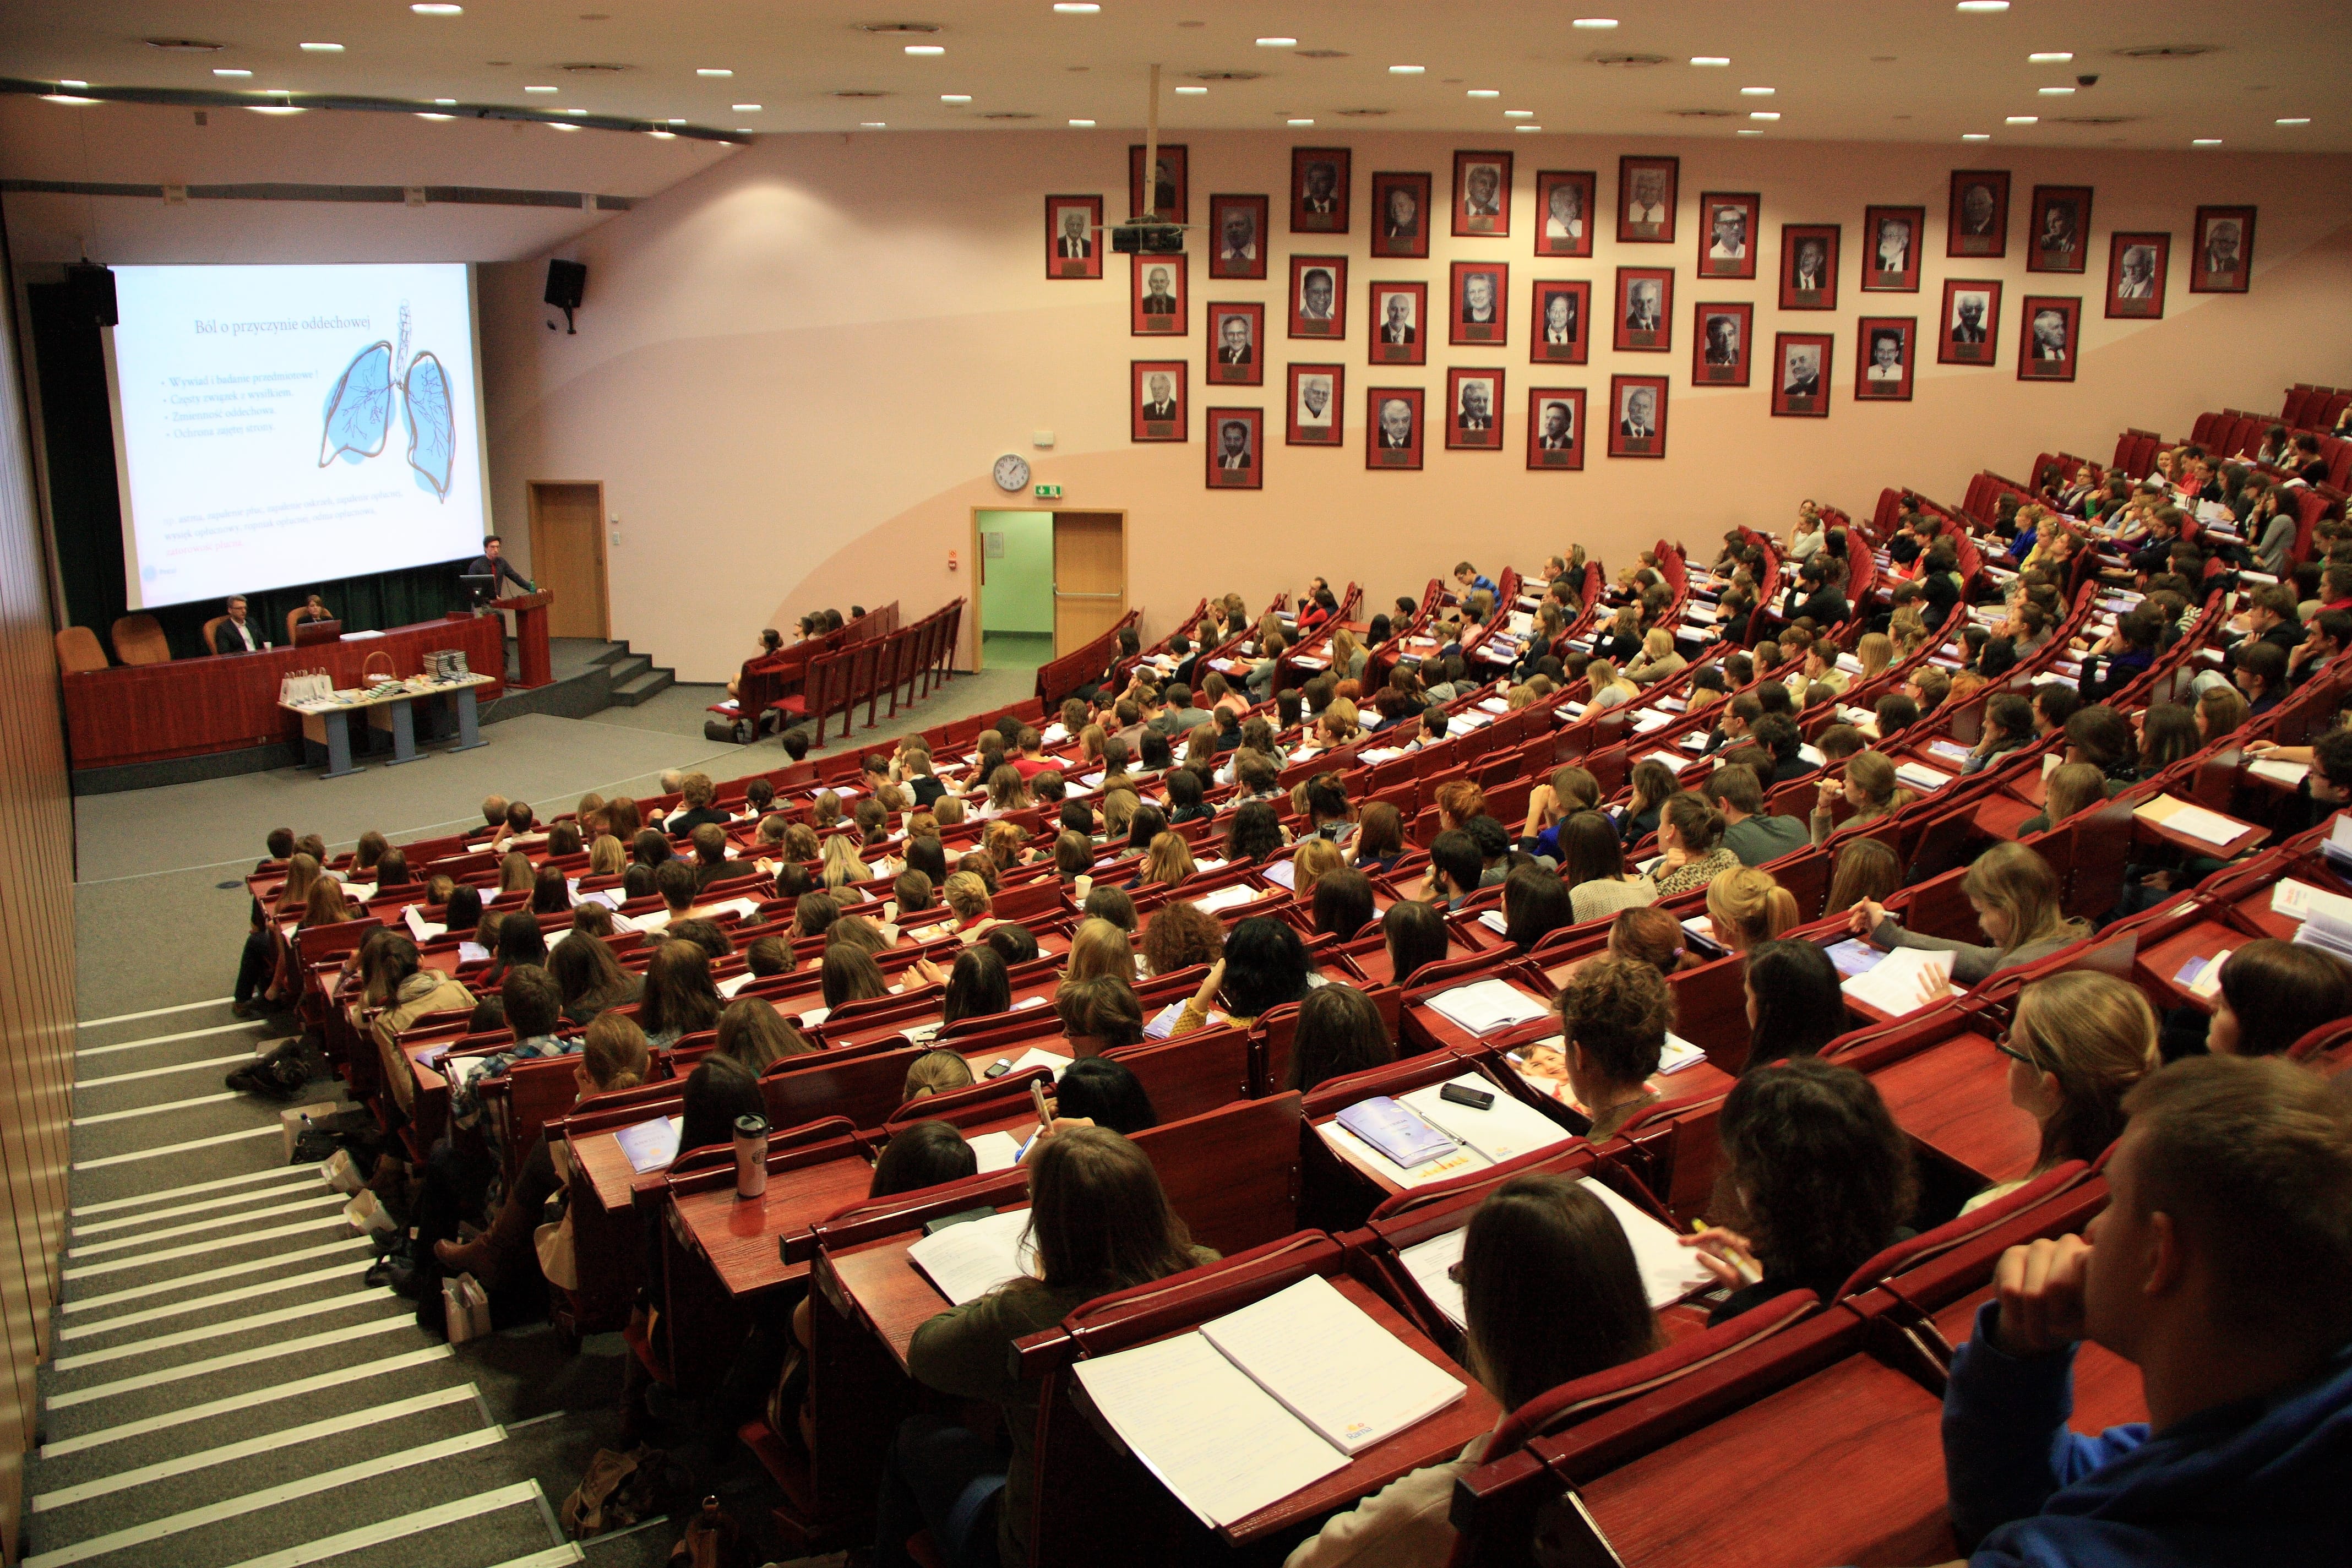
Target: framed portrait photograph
{"type": "Point", "coordinates": [1318, 406]}
{"type": "Point", "coordinates": [1392, 428]}
{"type": "Point", "coordinates": [1564, 211]}
{"type": "Point", "coordinates": [1885, 347]}
{"type": "Point", "coordinates": [1158, 399]}
{"type": "Point", "coordinates": [1980, 217]}
{"type": "Point", "coordinates": [2137, 264]}
{"type": "Point", "coordinates": [1401, 214]}
{"type": "Point", "coordinates": [1319, 297]}
{"type": "Point", "coordinates": [1560, 312]}
{"type": "Point", "coordinates": [2047, 337]}
{"type": "Point", "coordinates": [1720, 336]}
{"type": "Point", "coordinates": [2058, 229]}
{"type": "Point", "coordinates": [1644, 313]}
{"type": "Point", "coordinates": [1727, 241]}
{"type": "Point", "coordinates": [2224, 263]}
{"type": "Point", "coordinates": [1481, 193]}
{"type": "Point", "coordinates": [1473, 410]}
{"type": "Point", "coordinates": [1478, 303]}
{"type": "Point", "coordinates": [1236, 448]}
{"type": "Point", "coordinates": [1236, 344]}
{"type": "Point", "coordinates": [1809, 266]}
{"type": "Point", "coordinates": [1074, 241]}
{"type": "Point", "coordinates": [1237, 237]}
{"type": "Point", "coordinates": [1555, 428]}
{"type": "Point", "coordinates": [1968, 330]}
{"type": "Point", "coordinates": [1400, 314]}
{"type": "Point", "coordinates": [1318, 190]}
{"type": "Point", "coordinates": [1171, 191]}
{"type": "Point", "coordinates": [1160, 298]}
{"type": "Point", "coordinates": [1890, 256]}
{"type": "Point", "coordinates": [1647, 189]}
{"type": "Point", "coordinates": [1637, 413]}
{"type": "Point", "coordinates": [1801, 376]}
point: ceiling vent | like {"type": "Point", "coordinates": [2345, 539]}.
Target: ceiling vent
{"type": "Point", "coordinates": [1227, 76]}
{"type": "Point", "coordinates": [2169, 51]}
{"type": "Point", "coordinates": [1361, 113]}
{"type": "Point", "coordinates": [859, 92]}
{"type": "Point", "coordinates": [1007, 115]}
{"type": "Point", "coordinates": [1704, 114]}
{"type": "Point", "coordinates": [1320, 54]}
{"type": "Point", "coordinates": [1629, 62]}
{"type": "Point", "coordinates": [2092, 119]}
{"type": "Point", "coordinates": [586, 67]}
{"type": "Point", "coordinates": [897, 28]}
{"type": "Point", "coordinates": [186, 46]}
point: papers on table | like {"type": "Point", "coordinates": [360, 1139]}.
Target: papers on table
{"type": "Point", "coordinates": [734, 982]}
{"type": "Point", "coordinates": [1484, 1006]}
{"type": "Point", "coordinates": [650, 1145]}
{"type": "Point", "coordinates": [1700, 931]}
{"type": "Point", "coordinates": [2301, 901]}
{"type": "Point", "coordinates": [1670, 1271]}
{"type": "Point", "coordinates": [1493, 921]}
{"type": "Point", "coordinates": [2287, 773]}
{"type": "Point", "coordinates": [814, 1017]}
{"type": "Point", "coordinates": [1811, 756]}
{"type": "Point", "coordinates": [422, 930]}
{"type": "Point", "coordinates": [1853, 956]}
{"type": "Point", "coordinates": [1226, 898]}
{"type": "Point", "coordinates": [2181, 816]}
{"type": "Point", "coordinates": [1950, 750]}
{"type": "Point", "coordinates": [1504, 1130]}
{"type": "Point", "coordinates": [1495, 705]}
{"type": "Point", "coordinates": [1329, 1363]}
{"type": "Point", "coordinates": [1348, 1146]}
{"type": "Point", "coordinates": [967, 1261]}
{"type": "Point", "coordinates": [1892, 984]}
{"type": "Point", "coordinates": [1649, 719]}
{"type": "Point", "coordinates": [1695, 741]}
{"type": "Point", "coordinates": [1672, 764]}
{"type": "Point", "coordinates": [1679, 1054]}
{"type": "Point", "coordinates": [1282, 874]}
{"type": "Point", "coordinates": [1920, 776]}
{"type": "Point", "coordinates": [1396, 1131]}
{"type": "Point", "coordinates": [1051, 1061]}
{"type": "Point", "coordinates": [472, 953]}
{"type": "Point", "coordinates": [996, 1151]}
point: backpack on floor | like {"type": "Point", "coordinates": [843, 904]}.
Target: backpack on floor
{"type": "Point", "coordinates": [621, 1488]}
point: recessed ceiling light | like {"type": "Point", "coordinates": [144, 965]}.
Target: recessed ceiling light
{"type": "Point", "coordinates": [1982, 5]}
{"type": "Point", "coordinates": [538, 90]}
{"type": "Point", "coordinates": [1710, 60]}
{"type": "Point", "coordinates": [678, 123]}
{"type": "Point", "coordinates": [2056, 91]}
{"type": "Point", "coordinates": [955, 98]}
{"type": "Point", "coordinates": [1526, 127]}
{"type": "Point", "coordinates": [2023, 120]}
{"type": "Point", "coordinates": [1075, 7]}
{"type": "Point", "coordinates": [1756, 91]}
{"type": "Point", "coordinates": [745, 108]}
{"type": "Point", "coordinates": [280, 109]}
{"type": "Point", "coordinates": [873, 124]}
{"type": "Point", "coordinates": [65, 97]}
{"type": "Point", "coordinates": [708, 70]}
{"type": "Point", "coordinates": [324, 48]}
{"type": "Point", "coordinates": [657, 135]}
{"type": "Point", "coordinates": [745, 131]}
{"type": "Point", "coordinates": [422, 115]}
{"type": "Point", "coordinates": [1597, 24]}
{"type": "Point", "coordinates": [926, 49]}
{"type": "Point", "coordinates": [1518, 114]}
{"type": "Point", "coordinates": [229, 70]}
{"type": "Point", "coordinates": [1083, 124]}
{"type": "Point", "coordinates": [445, 100]}
{"type": "Point", "coordinates": [1976, 135]}
{"type": "Point", "coordinates": [1407, 70]}
{"type": "Point", "coordinates": [1302, 123]}
{"type": "Point", "coordinates": [436, 10]}
{"type": "Point", "coordinates": [1763, 114]}
{"type": "Point", "coordinates": [572, 111]}
{"type": "Point", "coordinates": [2297, 120]}
{"type": "Point", "coordinates": [2205, 142]}
{"type": "Point", "coordinates": [1750, 131]}
{"type": "Point", "coordinates": [1486, 92]}
{"type": "Point", "coordinates": [2051, 58]}
{"type": "Point", "coordinates": [1277, 43]}
{"type": "Point", "coordinates": [67, 82]}
{"type": "Point", "coordinates": [1192, 91]}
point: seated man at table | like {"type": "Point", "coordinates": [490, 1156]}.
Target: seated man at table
{"type": "Point", "coordinates": [2222, 1267]}
{"type": "Point", "coordinates": [534, 1011]}
{"type": "Point", "coordinates": [233, 633]}
{"type": "Point", "coordinates": [1750, 832]}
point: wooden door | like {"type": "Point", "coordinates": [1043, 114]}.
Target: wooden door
{"type": "Point", "coordinates": [1090, 575]}
{"type": "Point", "coordinates": [567, 557]}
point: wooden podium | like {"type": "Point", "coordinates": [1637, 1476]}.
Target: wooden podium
{"type": "Point", "coordinates": [531, 635]}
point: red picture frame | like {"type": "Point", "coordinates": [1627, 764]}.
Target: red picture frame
{"type": "Point", "coordinates": [2138, 267]}
{"type": "Point", "coordinates": [1802, 367]}
{"type": "Point", "coordinates": [1732, 254]}
{"type": "Point", "coordinates": [1575, 346]}
{"type": "Point", "coordinates": [1568, 455]}
{"type": "Point", "coordinates": [1641, 220]}
{"type": "Point", "coordinates": [1641, 315]}
{"type": "Point", "coordinates": [2035, 362]}
{"type": "Point", "coordinates": [1965, 336]}
{"type": "Point", "coordinates": [1300, 429]}
{"type": "Point", "coordinates": [1249, 369]}
{"type": "Point", "coordinates": [1307, 165]}
{"type": "Point", "coordinates": [1221, 474]}
{"type": "Point", "coordinates": [1809, 266]}
{"type": "Point", "coordinates": [1061, 266]}
{"type": "Point", "coordinates": [1873, 336]}
{"type": "Point", "coordinates": [1892, 234]}
{"type": "Point", "coordinates": [2233, 229]}
{"type": "Point", "coordinates": [1568, 232]}
{"type": "Point", "coordinates": [1397, 232]}
{"type": "Point", "coordinates": [1246, 259]}
{"type": "Point", "coordinates": [1726, 364]}
{"type": "Point", "coordinates": [1486, 324]}
{"type": "Point", "coordinates": [2058, 229]}
{"type": "Point", "coordinates": [1175, 322]}
{"type": "Point", "coordinates": [1309, 276]}
{"type": "Point", "coordinates": [1624, 439]}
{"type": "Point", "coordinates": [1175, 160]}
{"type": "Point", "coordinates": [1977, 222]}
{"type": "Point", "coordinates": [1467, 427]}
{"type": "Point", "coordinates": [1147, 421]}
{"type": "Point", "coordinates": [1480, 212]}
{"type": "Point", "coordinates": [1382, 448]}
{"type": "Point", "coordinates": [1386, 347]}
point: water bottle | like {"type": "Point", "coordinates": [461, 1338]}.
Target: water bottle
{"type": "Point", "coordinates": [751, 1156]}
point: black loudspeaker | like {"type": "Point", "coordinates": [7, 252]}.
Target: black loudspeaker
{"type": "Point", "coordinates": [566, 281]}
{"type": "Point", "coordinates": [92, 288]}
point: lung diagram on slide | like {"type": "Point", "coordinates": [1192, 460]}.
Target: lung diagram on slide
{"type": "Point", "coordinates": [359, 410]}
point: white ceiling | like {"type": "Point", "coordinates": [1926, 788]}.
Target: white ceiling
{"type": "Point", "coordinates": [1904, 70]}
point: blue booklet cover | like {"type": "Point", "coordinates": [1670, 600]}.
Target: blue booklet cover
{"type": "Point", "coordinates": [1390, 1127]}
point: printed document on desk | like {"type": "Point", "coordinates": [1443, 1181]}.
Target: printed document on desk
{"type": "Point", "coordinates": [1504, 1130]}
{"type": "Point", "coordinates": [1331, 1365]}
{"type": "Point", "coordinates": [1892, 984]}
{"type": "Point", "coordinates": [967, 1261]}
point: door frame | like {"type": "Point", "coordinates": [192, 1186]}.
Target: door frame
{"type": "Point", "coordinates": [604, 574]}
{"type": "Point", "coordinates": [980, 562]}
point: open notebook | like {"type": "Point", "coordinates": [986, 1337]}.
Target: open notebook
{"type": "Point", "coordinates": [1258, 1404]}
{"type": "Point", "coordinates": [1670, 1271]}
{"type": "Point", "coordinates": [965, 1262]}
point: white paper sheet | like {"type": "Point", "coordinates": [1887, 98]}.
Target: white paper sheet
{"type": "Point", "coordinates": [1504, 1130]}
{"type": "Point", "coordinates": [2208, 826]}
{"type": "Point", "coordinates": [996, 1151]}
{"type": "Point", "coordinates": [1485, 1005]}
{"type": "Point", "coordinates": [965, 1262]}
{"type": "Point", "coordinates": [1331, 1365]}
{"type": "Point", "coordinates": [1891, 986]}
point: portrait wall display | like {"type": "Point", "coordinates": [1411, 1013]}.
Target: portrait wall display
{"type": "Point", "coordinates": [1560, 317]}
{"type": "Point", "coordinates": [1885, 349]}
{"type": "Point", "coordinates": [2058, 229]}
{"type": "Point", "coordinates": [1800, 374]}
{"type": "Point", "coordinates": [1392, 433]}
{"type": "Point", "coordinates": [1890, 256]}
{"type": "Point", "coordinates": [1809, 266]}
{"type": "Point", "coordinates": [1720, 336]}
{"type": "Point", "coordinates": [1555, 428]}
{"type": "Point", "coordinates": [1074, 238]}
{"type": "Point", "coordinates": [1319, 297]}
{"type": "Point", "coordinates": [1400, 316]}
{"type": "Point", "coordinates": [1317, 405]}
{"type": "Point", "coordinates": [2137, 266]}
{"type": "Point", "coordinates": [1979, 217]}
{"type": "Point", "coordinates": [1236, 344]}
{"type": "Point", "coordinates": [1401, 214]}
{"type": "Point", "coordinates": [1647, 190]}
{"type": "Point", "coordinates": [1637, 415]}
{"type": "Point", "coordinates": [1482, 195]}
{"type": "Point", "coordinates": [1170, 190]}
{"type": "Point", "coordinates": [1564, 211]}
{"type": "Point", "coordinates": [1237, 238]}
{"type": "Point", "coordinates": [1969, 328]}
{"type": "Point", "coordinates": [2224, 262]}
{"type": "Point", "coordinates": [2048, 337]}
{"type": "Point", "coordinates": [1319, 184]}
{"type": "Point", "coordinates": [1644, 317]}
{"type": "Point", "coordinates": [1728, 233]}
{"type": "Point", "coordinates": [1160, 299]}
{"type": "Point", "coordinates": [1236, 442]}
{"type": "Point", "coordinates": [1158, 399]}
{"type": "Point", "coordinates": [1473, 410]}
{"type": "Point", "coordinates": [1478, 303]}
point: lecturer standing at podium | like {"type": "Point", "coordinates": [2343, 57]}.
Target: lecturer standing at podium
{"type": "Point", "coordinates": [493, 564]}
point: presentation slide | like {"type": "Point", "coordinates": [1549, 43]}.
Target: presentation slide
{"type": "Point", "coordinates": [276, 425]}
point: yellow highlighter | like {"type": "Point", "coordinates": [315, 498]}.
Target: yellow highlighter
{"type": "Point", "coordinates": [1748, 1273]}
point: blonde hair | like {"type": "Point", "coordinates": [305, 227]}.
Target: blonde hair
{"type": "Point", "coordinates": [1117, 811]}
{"type": "Point", "coordinates": [1658, 642]}
{"type": "Point", "coordinates": [1877, 651]}
{"type": "Point", "coordinates": [842, 866]}
{"type": "Point", "coordinates": [1343, 649]}
{"type": "Point", "coordinates": [1341, 720]}
{"type": "Point", "coordinates": [1749, 907]}
{"type": "Point", "coordinates": [2072, 787]}
{"type": "Point", "coordinates": [2097, 1036]}
{"type": "Point", "coordinates": [1873, 774]}
{"type": "Point", "coordinates": [615, 1055]}
{"type": "Point", "coordinates": [948, 809]}
{"type": "Point", "coordinates": [606, 858]}
{"type": "Point", "coordinates": [1598, 674]}
{"type": "Point", "coordinates": [516, 873]}
{"type": "Point", "coordinates": [936, 1072]}
{"type": "Point", "coordinates": [965, 895]}
{"type": "Point", "coordinates": [1099, 948]}
{"type": "Point", "coordinates": [1315, 859]}
{"type": "Point", "coordinates": [1169, 860]}
{"type": "Point", "coordinates": [2019, 883]}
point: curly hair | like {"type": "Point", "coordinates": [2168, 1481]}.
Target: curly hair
{"type": "Point", "coordinates": [1815, 1171]}
{"type": "Point", "coordinates": [1181, 934]}
{"type": "Point", "coordinates": [1618, 1010]}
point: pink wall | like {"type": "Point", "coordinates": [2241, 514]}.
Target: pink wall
{"type": "Point", "coordinates": [794, 370]}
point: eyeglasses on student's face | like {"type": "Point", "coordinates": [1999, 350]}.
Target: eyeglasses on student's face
{"type": "Point", "coordinates": [2005, 1048]}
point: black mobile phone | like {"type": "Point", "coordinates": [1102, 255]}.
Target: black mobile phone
{"type": "Point", "coordinates": [999, 1068]}
{"type": "Point", "coordinates": [1462, 1094]}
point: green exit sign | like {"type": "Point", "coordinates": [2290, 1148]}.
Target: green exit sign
{"type": "Point", "coordinates": [1049, 492]}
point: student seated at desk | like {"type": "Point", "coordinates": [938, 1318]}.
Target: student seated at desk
{"type": "Point", "coordinates": [1414, 935]}
{"type": "Point", "coordinates": [1179, 935]}
{"type": "Point", "coordinates": [1747, 907]}
{"type": "Point", "coordinates": [753, 1033]}
{"type": "Point", "coordinates": [1263, 965]}
{"type": "Point", "coordinates": [590, 977]}
{"type": "Point", "coordinates": [1339, 1032]}
{"type": "Point", "coordinates": [847, 973]}
{"type": "Point", "coordinates": [2273, 994]}
{"type": "Point", "coordinates": [1795, 1004]}
{"type": "Point", "coordinates": [678, 998]}
{"type": "Point", "coordinates": [2076, 1046]}
{"type": "Point", "coordinates": [1343, 905]}
{"type": "Point", "coordinates": [1613, 1016]}
{"type": "Point", "coordinates": [534, 1011]}
{"type": "Point", "coordinates": [1097, 1015]}
{"type": "Point", "coordinates": [2016, 898]}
